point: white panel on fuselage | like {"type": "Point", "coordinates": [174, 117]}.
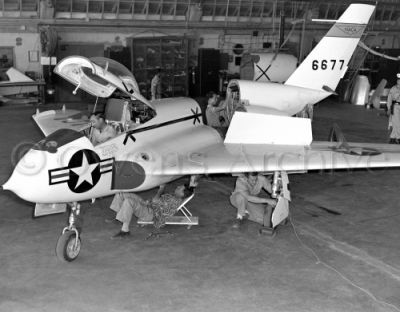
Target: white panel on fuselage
{"type": "Point", "coordinates": [248, 128]}
{"type": "Point", "coordinates": [287, 99]}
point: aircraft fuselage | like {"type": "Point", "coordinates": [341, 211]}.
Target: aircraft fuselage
{"type": "Point", "coordinates": [66, 167]}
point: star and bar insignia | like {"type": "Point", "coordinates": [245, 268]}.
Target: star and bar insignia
{"type": "Point", "coordinates": [83, 171]}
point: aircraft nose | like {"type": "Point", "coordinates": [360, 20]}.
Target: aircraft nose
{"type": "Point", "coordinates": [7, 186]}
{"type": "Point", "coordinates": [12, 185]}
{"type": "Point", "coordinates": [28, 175]}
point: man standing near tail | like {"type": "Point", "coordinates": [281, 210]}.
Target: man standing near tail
{"type": "Point", "coordinates": [393, 105]}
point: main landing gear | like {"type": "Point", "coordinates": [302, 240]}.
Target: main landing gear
{"type": "Point", "coordinates": [69, 243]}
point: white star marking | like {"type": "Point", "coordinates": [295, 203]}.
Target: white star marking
{"type": "Point", "coordinates": [84, 172]}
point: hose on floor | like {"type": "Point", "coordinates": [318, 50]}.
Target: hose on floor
{"type": "Point", "coordinates": [319, 261]}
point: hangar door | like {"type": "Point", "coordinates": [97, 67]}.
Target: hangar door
{"type": "Point", "coordinates": [64, 88]}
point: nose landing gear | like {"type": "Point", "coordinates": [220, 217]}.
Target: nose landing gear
{"type": "Point", "coordinates": [69, 243]}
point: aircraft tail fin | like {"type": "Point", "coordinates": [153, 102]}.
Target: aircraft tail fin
{"type": "Point", "coordinates": [328, 61]}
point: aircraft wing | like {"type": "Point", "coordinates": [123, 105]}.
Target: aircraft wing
{"type": "Point", "coordinates": [239, 158]}
{"type": "Point", "coordinates": [256, 109]}
{"type": "Point", "coordinates": [52, 120]}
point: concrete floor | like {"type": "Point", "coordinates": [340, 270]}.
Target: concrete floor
{"type": "Point", "coordinates": [347, 258]}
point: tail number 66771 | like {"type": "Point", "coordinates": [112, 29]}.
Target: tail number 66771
{"type": "Point", "coordinates": [327, 64]}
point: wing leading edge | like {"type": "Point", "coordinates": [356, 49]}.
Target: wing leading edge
{"type": "Point", "coordinates": [239, 158]}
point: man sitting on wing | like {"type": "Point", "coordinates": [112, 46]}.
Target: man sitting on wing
{"type": "Point", "coordinates": [215, 109]}
{"type": "Point", "coordinates": [156, 210]}
{"type": "Point", "coordinates": [249, 204]}
{"type": "Point", "coordinates": [101, 131]}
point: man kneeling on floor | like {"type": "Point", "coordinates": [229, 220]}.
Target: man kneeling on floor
{"type": "Point", "coordinates": [156, 210]}
{"type": "Point", "coordinates": [249, 204]}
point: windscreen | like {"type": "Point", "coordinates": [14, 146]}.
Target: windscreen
{"type": "Point", "coordinates": [116, 69]}
{"type": "Point", "coordinates": [57, 139]}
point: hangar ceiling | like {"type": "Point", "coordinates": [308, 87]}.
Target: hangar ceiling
{"type": "Point", "coordinates": [213, 12]}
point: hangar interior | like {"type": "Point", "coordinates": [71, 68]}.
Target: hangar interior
{"type": "Point", "coordinates": [337, 252]}
{"type": "Point", "coordinates": [200, 44]}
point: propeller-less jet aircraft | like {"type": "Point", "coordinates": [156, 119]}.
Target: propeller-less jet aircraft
{"type": "Point", "coordinates": [165, 139]}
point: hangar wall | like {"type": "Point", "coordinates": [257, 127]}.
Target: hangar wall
{"type": "Point", "coordinates": [28, 42]}
{"type": "Point", "coordinates": [214, 40]}
{"type": "Point", "coordinates": [222, 39]}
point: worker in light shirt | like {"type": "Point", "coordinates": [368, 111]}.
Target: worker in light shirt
{"type": "Point", "coordinates": [101, 131]}
{"type": "Point", "coordinates": [393, 106]}
{"type": "Point", "coordinates": [215, 110]}
{"type": "Point", "coordinates": [156, 86]}
{"type": "Point", "coordinates": [248, 202]}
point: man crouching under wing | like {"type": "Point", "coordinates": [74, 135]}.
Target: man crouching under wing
{"type": "Point", "coordinates": [156, 210]}
{"type": "Point", "coordinates": [249, 204]}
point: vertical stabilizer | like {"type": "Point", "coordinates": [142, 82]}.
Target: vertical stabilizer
{"type": "Point", "coordinates": [327, 63]}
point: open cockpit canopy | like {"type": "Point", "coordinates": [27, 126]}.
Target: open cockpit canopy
{"type": "Point", "coordinates": [100, 77]}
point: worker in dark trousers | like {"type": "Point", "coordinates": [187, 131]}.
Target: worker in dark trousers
{"type": "Point", "coordinates": [393, 105]}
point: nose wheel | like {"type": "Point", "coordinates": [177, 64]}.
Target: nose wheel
{"type": "Point", "coordinates": [69, 242]}
{"type": "Point", "coordinates": [68, 246]}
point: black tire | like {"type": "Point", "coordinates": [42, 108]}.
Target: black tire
{"type": "Point", "coordinates": [65, 247]}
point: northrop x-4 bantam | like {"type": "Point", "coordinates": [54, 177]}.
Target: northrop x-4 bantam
{"type": "Point", "coordinates": [162, 140]}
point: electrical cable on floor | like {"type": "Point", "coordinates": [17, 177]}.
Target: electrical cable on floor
{"type": "Point", "coordinates": [371, 295]}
